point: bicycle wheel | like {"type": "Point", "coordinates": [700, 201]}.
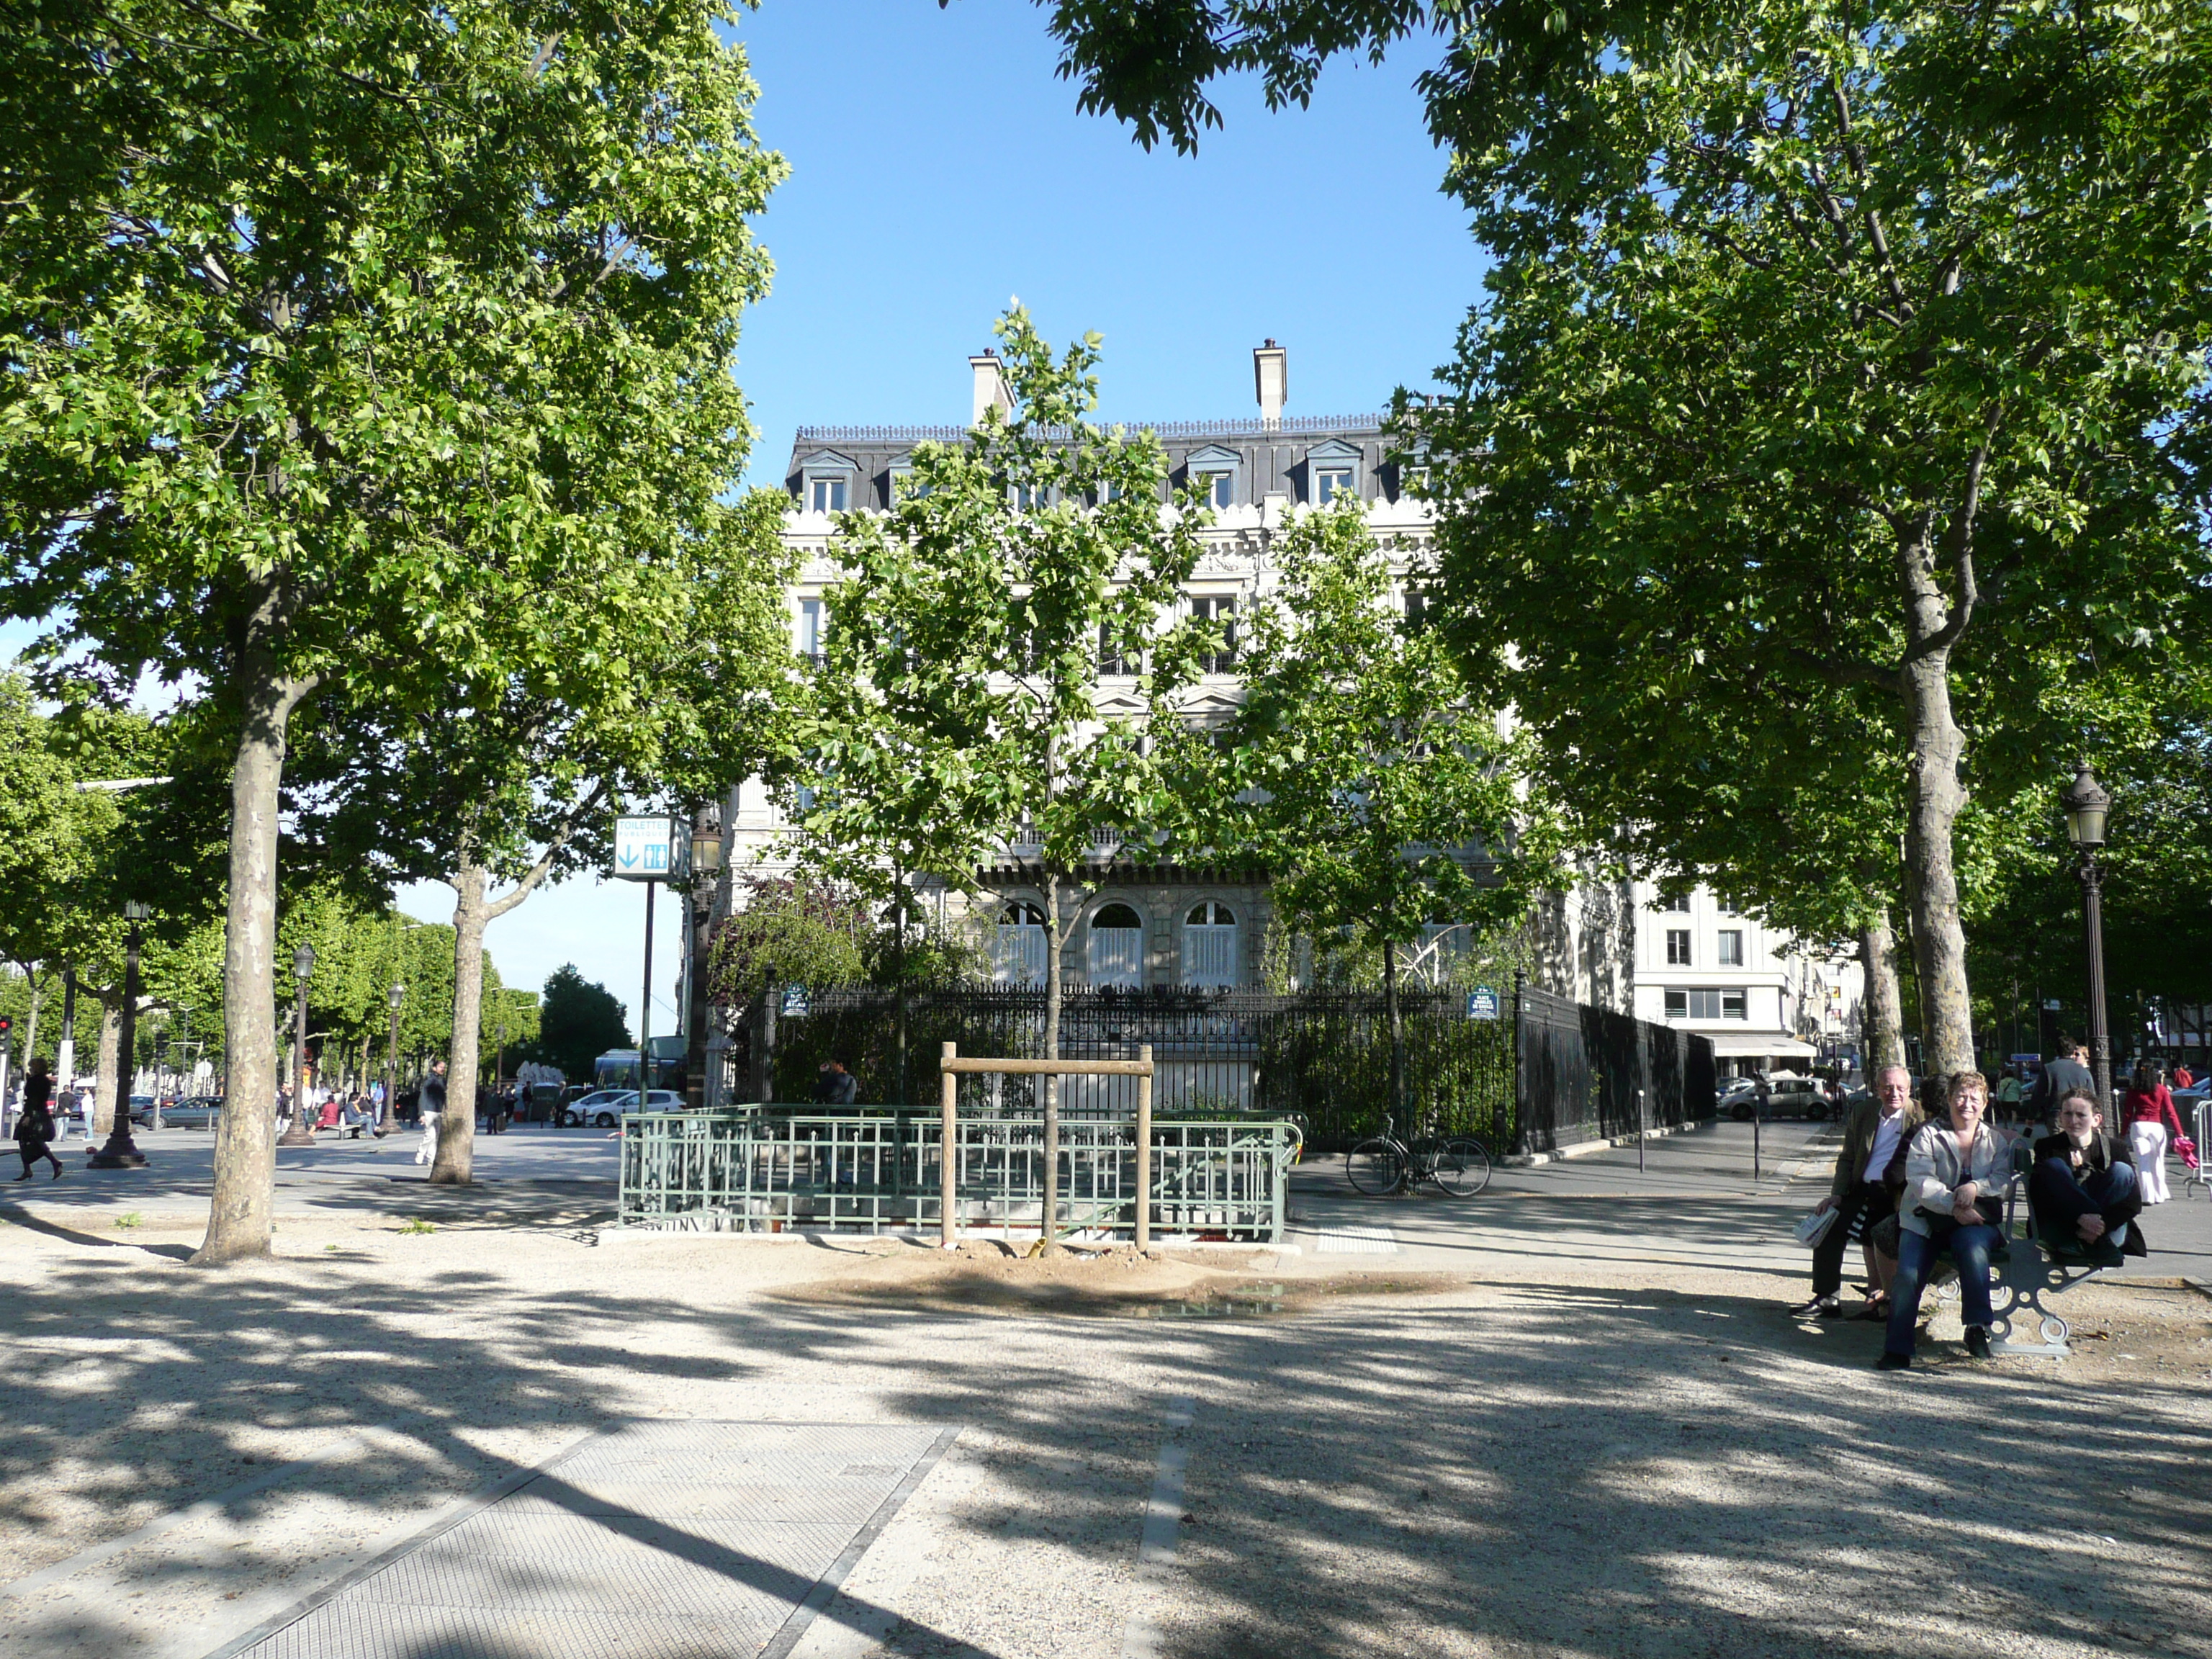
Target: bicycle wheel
{"type": "Point", "coordinates": [1376, 1167]}
{"type": "Point", "coordinates": [1462, 1167]}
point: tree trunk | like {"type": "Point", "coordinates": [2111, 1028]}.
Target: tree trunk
{"type": "Point", "coordinates": [245, 1133]}
{"type": "Point", "coordinates": [108, 1086]}
{"type": "Point", "coordinates": [1939, 938]}
{"type": "Point", "coordinates": [1052, 1001]}
{"type": "Point", "coordinates": [1394, 1016]}
{"type": "Point", "coordinates": [457, 1130]}
{"type": "Point", "coordinates": [1883, 1009]}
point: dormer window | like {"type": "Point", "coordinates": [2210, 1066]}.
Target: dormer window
{"type": "Point", "coordinates": [1331, 471]}
{"type": "Point", "coordinates": [1213, 470]}
{"type": "Point", "coordinates": [825, 482]}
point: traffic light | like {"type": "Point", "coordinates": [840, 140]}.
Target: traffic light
{"type": "Point", "coordinates": [6, 1026]}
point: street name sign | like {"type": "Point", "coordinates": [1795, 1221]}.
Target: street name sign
{"type": "Point", "coordinates": [1482, 1003]}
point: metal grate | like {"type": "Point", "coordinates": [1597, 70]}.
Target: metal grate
{"type": "Point", "coordinates": [1356, 1241]}
{"type": "Point", "coordinates": [655, 1540]}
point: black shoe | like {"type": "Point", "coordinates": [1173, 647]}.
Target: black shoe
{"type": "Point", "coordinates": [2105, 1254]}
{"type": "Point", "coordinates": [1820, 1307]}
{"type": "Point", "coordinates": [1977, 1342]}
{"type": "Point", "coordinates": [1875, 1313]}
{"type": "Point", "coordinates": [1893, 1362]}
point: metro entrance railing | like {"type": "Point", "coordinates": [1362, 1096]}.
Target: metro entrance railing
{"type": "Point", "coordinates": [778, 1167]}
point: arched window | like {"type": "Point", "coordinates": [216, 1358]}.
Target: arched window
{"type": "Point", "coordinates": [1019, 958]}
{"type": "Point", "coordinates": [1209, 945]}
{"type": "Point", "coordinates": [1117, 947]}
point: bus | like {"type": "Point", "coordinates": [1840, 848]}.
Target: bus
{"type": "Point", "coordinates": [617, 1069]}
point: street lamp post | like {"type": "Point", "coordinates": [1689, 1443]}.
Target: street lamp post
{"type": "Point", "coordinates": [395, 996]}
{"type": "Point", "coordinates": [2087, 803]}
{"type": "Point", "coordinates": [303, 966]}
{"type": "Point", "coordinates": [706, 863]}
{"type": "Point", "coordinates": [121, 1152]}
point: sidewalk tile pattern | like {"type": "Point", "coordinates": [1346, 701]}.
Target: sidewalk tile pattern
{"type": "Point", "coordinates": [658, 1541]}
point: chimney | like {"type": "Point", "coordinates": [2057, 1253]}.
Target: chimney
{"type": "Point", "coordinates": [1271, 379]}
{"type": "Point", "coordinates": [990, 385]}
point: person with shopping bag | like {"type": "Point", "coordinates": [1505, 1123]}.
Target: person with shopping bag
{"type": "Point", "coordinates": [2153, 1125]}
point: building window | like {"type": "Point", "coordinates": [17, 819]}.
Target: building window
{"type": "Point", "coordinates": [1220, 609]}
{"type": "Point", "coordinates": [1209, 946]}
{"type": "Point", "coordinates": [903, 487]}
{"type": "Point", "coordinates": [1019, 959]}
{"type": "Point", "coordinates": [1677, 947]}
{"type": "Point", "coordinates": [825, 494]}
{"type": "Point", "coordinates": [1706, 1003]}
{"type": "Point", "coordinates": [1731, 947]}
{"type": "Point", "coordinates": [1117, 947]}
{"type": "Point", "coordinates": [1111, 662]}
{"type": "Point", "coordinates": [1679, 904]}
{"type": "Point", "coordinates": [810, 629]}
{"type": "Point", "coordinates": [1220, 489]}
{"type": "Point", "coordinates": [1331, 482]}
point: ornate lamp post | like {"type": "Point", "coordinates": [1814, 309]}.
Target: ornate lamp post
{"type": "Point", "coordinates": [395, 996]}
{"type": "Point", "coordinates": [706, 863]}
{"type": "Point", "coordinates": [121, 1151]}
{"type": "Point", "coordinates": [2086, 803]}
{"type": "Point", "coordinates": [303, 967]}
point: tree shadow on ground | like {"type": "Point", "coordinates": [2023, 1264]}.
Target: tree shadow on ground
{"type": "Point", "coordinates": [1527, 1468]}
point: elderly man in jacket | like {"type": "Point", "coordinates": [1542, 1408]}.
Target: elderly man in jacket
{"type": "Point", "coordinates": [1872, 1134]}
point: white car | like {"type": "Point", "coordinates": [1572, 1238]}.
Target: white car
{"type": "Point", "coordinates": [603, 1107]}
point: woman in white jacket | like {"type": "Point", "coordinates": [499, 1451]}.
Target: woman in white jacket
{"type": "Point", "coordinates": [1954, 1181]}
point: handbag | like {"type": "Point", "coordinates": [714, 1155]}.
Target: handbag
{"type": "Point", "coordinates": [2185, 1149]}
{"type": "Point", "coordinates": [1814, 1227]}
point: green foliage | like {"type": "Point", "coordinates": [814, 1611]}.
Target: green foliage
{"type": "Point", "coordinates": [578, 1022]}
{"type": "Point", "coordinates": [1830, 398]}
{"type": "Point", "coordinates": [791, 933]}
{"type": "Point", "coordinates": [128, 1219]}
{"type": "Point", "coordinates": [960, 692]}
{"type": "Point", "coordinates": [1359, 770]}
{"type": "Point", "coordinates": [418, 1228]}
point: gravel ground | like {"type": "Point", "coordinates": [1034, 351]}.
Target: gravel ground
{"type": "Point", "coordinates": [1514, 1457]}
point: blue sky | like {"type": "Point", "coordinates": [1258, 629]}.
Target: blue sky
{"type": "Point", "coordinates": [938, 168]}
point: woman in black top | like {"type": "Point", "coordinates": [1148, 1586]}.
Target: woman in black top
{"type": "Point", "coordinates": [34, 1124]}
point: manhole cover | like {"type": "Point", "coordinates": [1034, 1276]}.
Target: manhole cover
{"type": "Point", "coordinates": [654, 1540]}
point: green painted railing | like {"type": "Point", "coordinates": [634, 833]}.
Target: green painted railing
{"type": "Point", "coordinates": [877, 1169]}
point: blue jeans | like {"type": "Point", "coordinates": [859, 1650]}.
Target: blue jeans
{"type": "Point", "coordinates": [1970, 1247]}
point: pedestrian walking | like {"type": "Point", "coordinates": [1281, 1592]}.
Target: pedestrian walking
{"type": "Point", "coordinates": [2147, 1110]}
{"type": "Point", "coordinates": [431, 1109]}
{"type": "Point", "coordinates": [34, 1124]}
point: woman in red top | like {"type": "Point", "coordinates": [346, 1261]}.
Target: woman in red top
{"type": "Point", "coordinates": [2147, 1110]}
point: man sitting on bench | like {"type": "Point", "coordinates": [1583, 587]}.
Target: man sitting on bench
{"type": "Point", "coordinates": [2083, 1190]}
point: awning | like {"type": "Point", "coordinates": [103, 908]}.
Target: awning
{"type": "Point", "coordinates": [1777, 1047]}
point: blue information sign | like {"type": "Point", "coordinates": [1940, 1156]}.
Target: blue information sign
{"type": "Point", "coordinates": [1482, 1003]}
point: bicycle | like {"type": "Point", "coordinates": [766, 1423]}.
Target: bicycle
{"type": "Point", "coordinates": [1384, 1164]}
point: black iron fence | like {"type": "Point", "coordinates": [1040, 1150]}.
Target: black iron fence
{"type": "Point", "coordinates": [1590, 1074]}
{"type": "Point", "coordinates": [1526, 1072]}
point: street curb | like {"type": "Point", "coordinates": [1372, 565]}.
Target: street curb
{"type": "Point", "coordinates": [1587, 1148]}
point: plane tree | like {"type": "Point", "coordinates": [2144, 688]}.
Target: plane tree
{"type": "Point", "coordinates": [336, 335]}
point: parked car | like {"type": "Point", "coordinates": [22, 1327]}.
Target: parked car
{"type": "Point", "coordinates": [656, 1100]}
{"type": "Point", "coordinates": [199, 1112]}
{"type": "Point", "coordinates": [1788, 1094]}
{"type": "Point", "coordinates": [142, 1110]}
{"type": "Point", "coordinates": [604, 1107]}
